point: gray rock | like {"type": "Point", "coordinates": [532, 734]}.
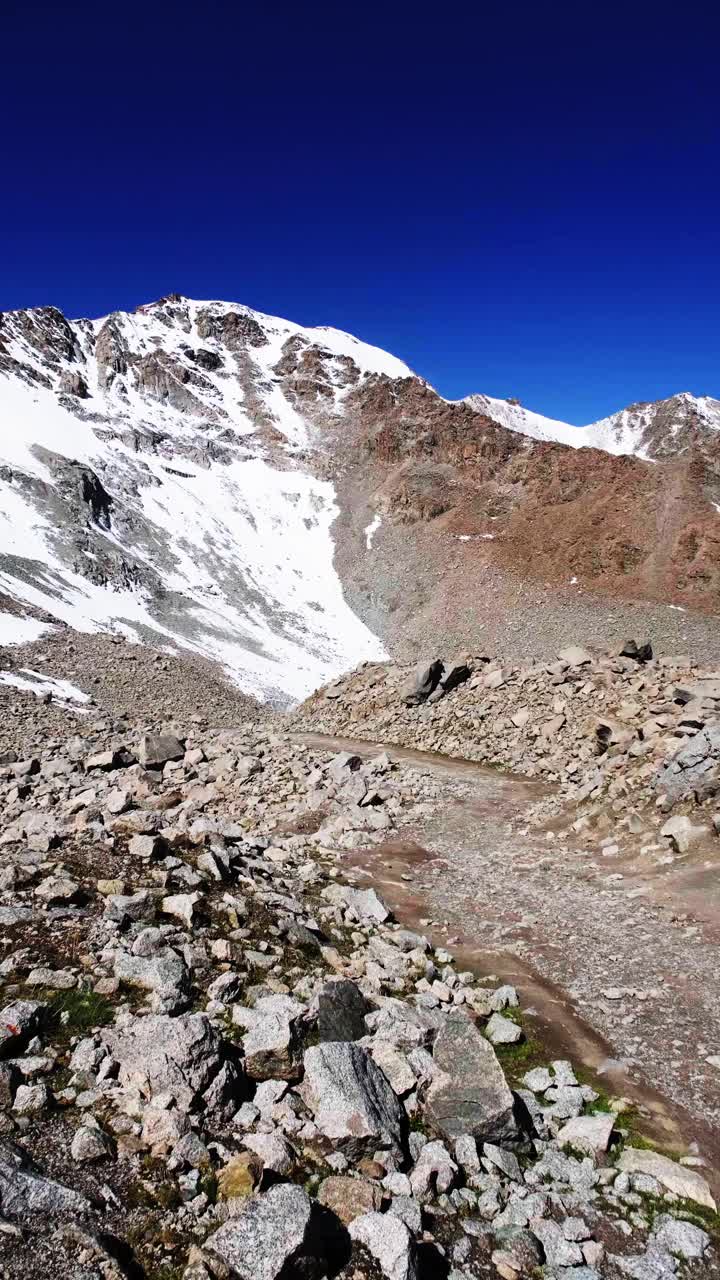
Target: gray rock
{"type": "Point", "coordinates": [387, 1238]}
{"type": "Point", "coordinates": [501, 1030]}
{"type": "Point", "coordinates": [504, 1160]}
{"type": "Point", "coordinates": [341, 1011]}
{"type": "Point", "coordinates": [469, 1095]}
{"type": "Point", "coordinates": [361, 904]}
{"type": "Point", "coordinates": [89, 1143]}
{"type": "Point", "coordinates": [693, 766]}
{"type": "Point", "coordinates": [588, 1133]}
{"type": "Point", "coordinates": [538, 1080]}
{"type": "Point", "coordinates": [156, 749]}
{"type": "Point", "coordinates": [30, 1098]}
{"type": "Point", "coordinates": [18, 1022]}
{"type": "Point", "coordinates": [351, 1100]}
{"type": "Point", "coordinates": [166, 975]}
{"type": "Point", "coordinates": [275, 1152]}
{"type": "Point", "coordinates": [683, 1239]}
{"type": "Point", "coordinates": [559, 1252]}
{"type": "Point", "coordinates": [272, 1235]}
{"type": "Point", "coordinates": [517, 1251]}
{"type": "Point", "coordinates": [124, 907]}
{"type": "Point", "coordinates": [424, 682]}
{"type": "Point", "coordinates": [181, 1056]}
{"type": "Point", "coordinates": [575, 656]}
{"type": "Point", "coordinates": [435, 1171]}
{"type": "Point", "coordinates": [271, 1046]}
{"type": "Point", "coordinates": [342, 765]}
{"type": "Point", "coordinates": [24, 1191]}
{"type": "Point", "coordinates": [682, 1181]}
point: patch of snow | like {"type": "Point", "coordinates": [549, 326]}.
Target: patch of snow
{"type": "Point", "coordinates": [39, 683]}
{"type": "Point", "coordinates": [573, 580]}
{"type": "Point", "coordinates": [371, 529]}
{"type": "Point", "coordinates": [15, 630]}
{"type": "Point", "coordinates": [677, 607]}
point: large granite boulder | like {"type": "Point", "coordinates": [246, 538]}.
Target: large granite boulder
{"type": "Point", "coordinates": [352, 1102]}
{"type": "Point", "coordinates": [185, 1057]}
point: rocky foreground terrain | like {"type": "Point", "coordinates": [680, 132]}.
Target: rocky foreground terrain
{"type": "Point", "coordinates": [221, 1056]}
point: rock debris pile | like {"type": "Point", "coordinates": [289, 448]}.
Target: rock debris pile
{"type": "Point", "coordinates": [218, 1060]}
{"type": "Point", "coordinates": [626, 727]}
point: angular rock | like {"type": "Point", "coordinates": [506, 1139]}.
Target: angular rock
{"type": "Point", "coordinates": [181, 1056]}
{"type": "Point", "coordinates": [575, 656]}
{"type": "Point", "coordinates": [387, 1238]}
{"type": "Point", "coordinates": [25, 1191]}
{"type": "Point", "coordinates": [341, 1011]}
{"type": "Point", "coordinates": [678, 1178]}
{"type": "Point", "coordinates": [362, 904]}
{"type": "Point", "coordinates": [682, 1239]}
{"type": "Point", "coordinates": [274, 1151]}
{"type": "Point", "coordinates": [349, 1198]}
{"type": "Point", "coordinates": [271, 1046]}
{"type": "Point", "coordinates": [559, 1252]}
{"type": "Point", "coordinates": [469, 1095]}
{"type": "Point", "coordinates": [166, 975]}
{"type": "Point", "coordinates": [351, 1101]}
{"type": "Point", "coordinates": [501, 1030]}
{"type": "Point", "coordinates": [271, 1236]}
{"type": "Point", "coordinates": [156, 749]}
{"type": "Point", "coordinates": [426, 679]}
{"type": "Point", "coordinates": [435, 1171]}
{"type": "Point", "coordinates": [588, 1134]}
{"type": "Point", "coordinates": [693, 765]}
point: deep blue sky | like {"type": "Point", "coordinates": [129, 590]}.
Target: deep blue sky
{"type": "Point", "coordinates": [518, 198]}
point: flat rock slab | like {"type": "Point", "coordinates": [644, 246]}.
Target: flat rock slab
{"type": "Point", "coordinates": [677, 1178]}
{"type": "Point", "coordinates": [588, 1133]}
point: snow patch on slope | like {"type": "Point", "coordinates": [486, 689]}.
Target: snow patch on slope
{"type": "Point", "coordinates": [243, 545]}
{"type": "Point", "coordinates": [14, 630]}
{"type": "Point", "coordinates": [40, 684]}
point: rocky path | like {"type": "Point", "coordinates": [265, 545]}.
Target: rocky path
{"type": "Point", "coordinates": [615, 951]}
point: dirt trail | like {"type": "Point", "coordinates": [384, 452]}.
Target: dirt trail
{"type": "Point", "coordinates": [614, 957]}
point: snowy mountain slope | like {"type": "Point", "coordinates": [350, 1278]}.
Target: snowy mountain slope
{"type": "Point", "coordinates": [661, 429]}
{"type": "Point", "coordinates": [154, 480]}
{"type": "Point", "coordinates": [201, 476]}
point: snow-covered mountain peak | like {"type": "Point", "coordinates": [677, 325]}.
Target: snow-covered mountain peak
{"type": "Point", "coordinates": [654, 430]}
{"type": "Point", "coordinates": [155, 478]}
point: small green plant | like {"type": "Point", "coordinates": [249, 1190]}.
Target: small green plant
{"type": "Point", "coordinates": [79, 1011]}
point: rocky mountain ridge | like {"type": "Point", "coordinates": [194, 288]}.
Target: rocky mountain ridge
{"type": "Point", "coordinates": [657, 430]}
{"type": "Point", "coordinates": [289, 501]}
